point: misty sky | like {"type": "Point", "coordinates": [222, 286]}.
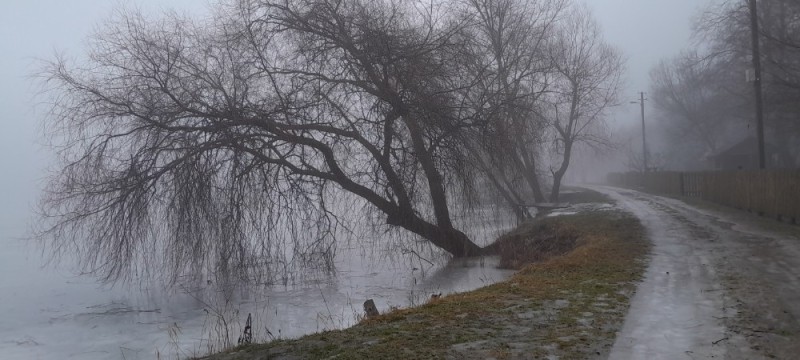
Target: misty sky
{"type": "Point", "coordinates": [645, 30]}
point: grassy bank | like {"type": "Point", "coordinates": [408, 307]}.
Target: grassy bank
{"type": "Point", "coordinates": [569, 305]}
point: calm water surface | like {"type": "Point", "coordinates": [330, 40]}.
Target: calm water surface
{"type": "Point", "coordinates": [50, 315]}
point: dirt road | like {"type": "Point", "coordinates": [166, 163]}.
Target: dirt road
{"type": "Point", "coordinates": [721, 284]}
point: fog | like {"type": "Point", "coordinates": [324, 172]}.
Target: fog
{"type": "Point", "coordinates": [645, 31]}
{"type": "Point", "coordinates": [30, 32]}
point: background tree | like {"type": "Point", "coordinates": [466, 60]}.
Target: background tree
{"type": "Point", "coordinates": [586, 83]}
{"type": "Point", "coordinates": [508, 38]}
{"type": "Point", "coordinates": [780, 30]}
{"type": "Point", "coordinates": [692, 91]}
{"type": "Point", "coordinates": [717, 101]}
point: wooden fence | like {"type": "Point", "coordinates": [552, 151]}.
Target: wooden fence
{"type": "Point", "coordinates": [773, 193]}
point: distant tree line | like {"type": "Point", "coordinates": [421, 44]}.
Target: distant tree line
{"type": "Point", "coordinates": [704, 95]}
{"type": "Point", "coordinates": [238, 141]}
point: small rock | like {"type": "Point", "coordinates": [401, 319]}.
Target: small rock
{"type": "Point", "coordinates": [370, 308]}
{"type": "Point", "coordinates": [560, 304]}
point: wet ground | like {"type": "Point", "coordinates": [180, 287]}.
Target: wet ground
{"type": "Point", "coordinates": [721, 284]}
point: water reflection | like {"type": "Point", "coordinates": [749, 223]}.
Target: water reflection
{"type": "Point", "coordinates": [53, 316]}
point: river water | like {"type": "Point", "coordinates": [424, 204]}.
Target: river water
{"type": "Point", "coordinates": [49, 313]}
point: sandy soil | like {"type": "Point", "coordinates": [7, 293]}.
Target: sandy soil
{"type": "Point", "coordinates": [721, 284]}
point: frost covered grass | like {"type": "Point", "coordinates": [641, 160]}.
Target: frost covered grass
{"type": "Point", "coordinates": [568, 305]}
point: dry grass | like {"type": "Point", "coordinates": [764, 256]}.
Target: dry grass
{"type": "Point", "coordinates": [534, 242]}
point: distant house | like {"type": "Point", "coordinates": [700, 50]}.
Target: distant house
{"type": "Point", "coordinates": [744, 156]}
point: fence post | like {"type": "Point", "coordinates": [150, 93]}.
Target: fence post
{"type": "Point", "coordinates": [681, 185]}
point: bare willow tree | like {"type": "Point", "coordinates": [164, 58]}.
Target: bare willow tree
{"type": "Point", "coordinates": [508, 38]}
{"type": "Point", "coordinates": [586, 83]}
{"type": "Point", "coordinates": [242, 143]}
{"type": "Point", "coordinates": [226, 145]}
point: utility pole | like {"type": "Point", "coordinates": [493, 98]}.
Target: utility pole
{"type": "Point", "coordinates": [757, 83]}
{"type": "Point", "coordinates": [644, 141]}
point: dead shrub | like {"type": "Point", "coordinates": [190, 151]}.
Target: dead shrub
{"type": "Point", "coordinates": [535, 242]}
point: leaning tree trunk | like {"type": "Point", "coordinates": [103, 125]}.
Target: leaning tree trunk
{"type": "Point", "coordinates": [533, 181]}
{"type": "Point", "coordinates": [558, 175]}
{"type": "Point", "coordinates": [449, 239]}
{"type": "Point", "coordinates": [443, 234]}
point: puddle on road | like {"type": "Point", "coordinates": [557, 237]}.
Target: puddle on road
{"type": "Point", "coordinates": [579, 208]}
